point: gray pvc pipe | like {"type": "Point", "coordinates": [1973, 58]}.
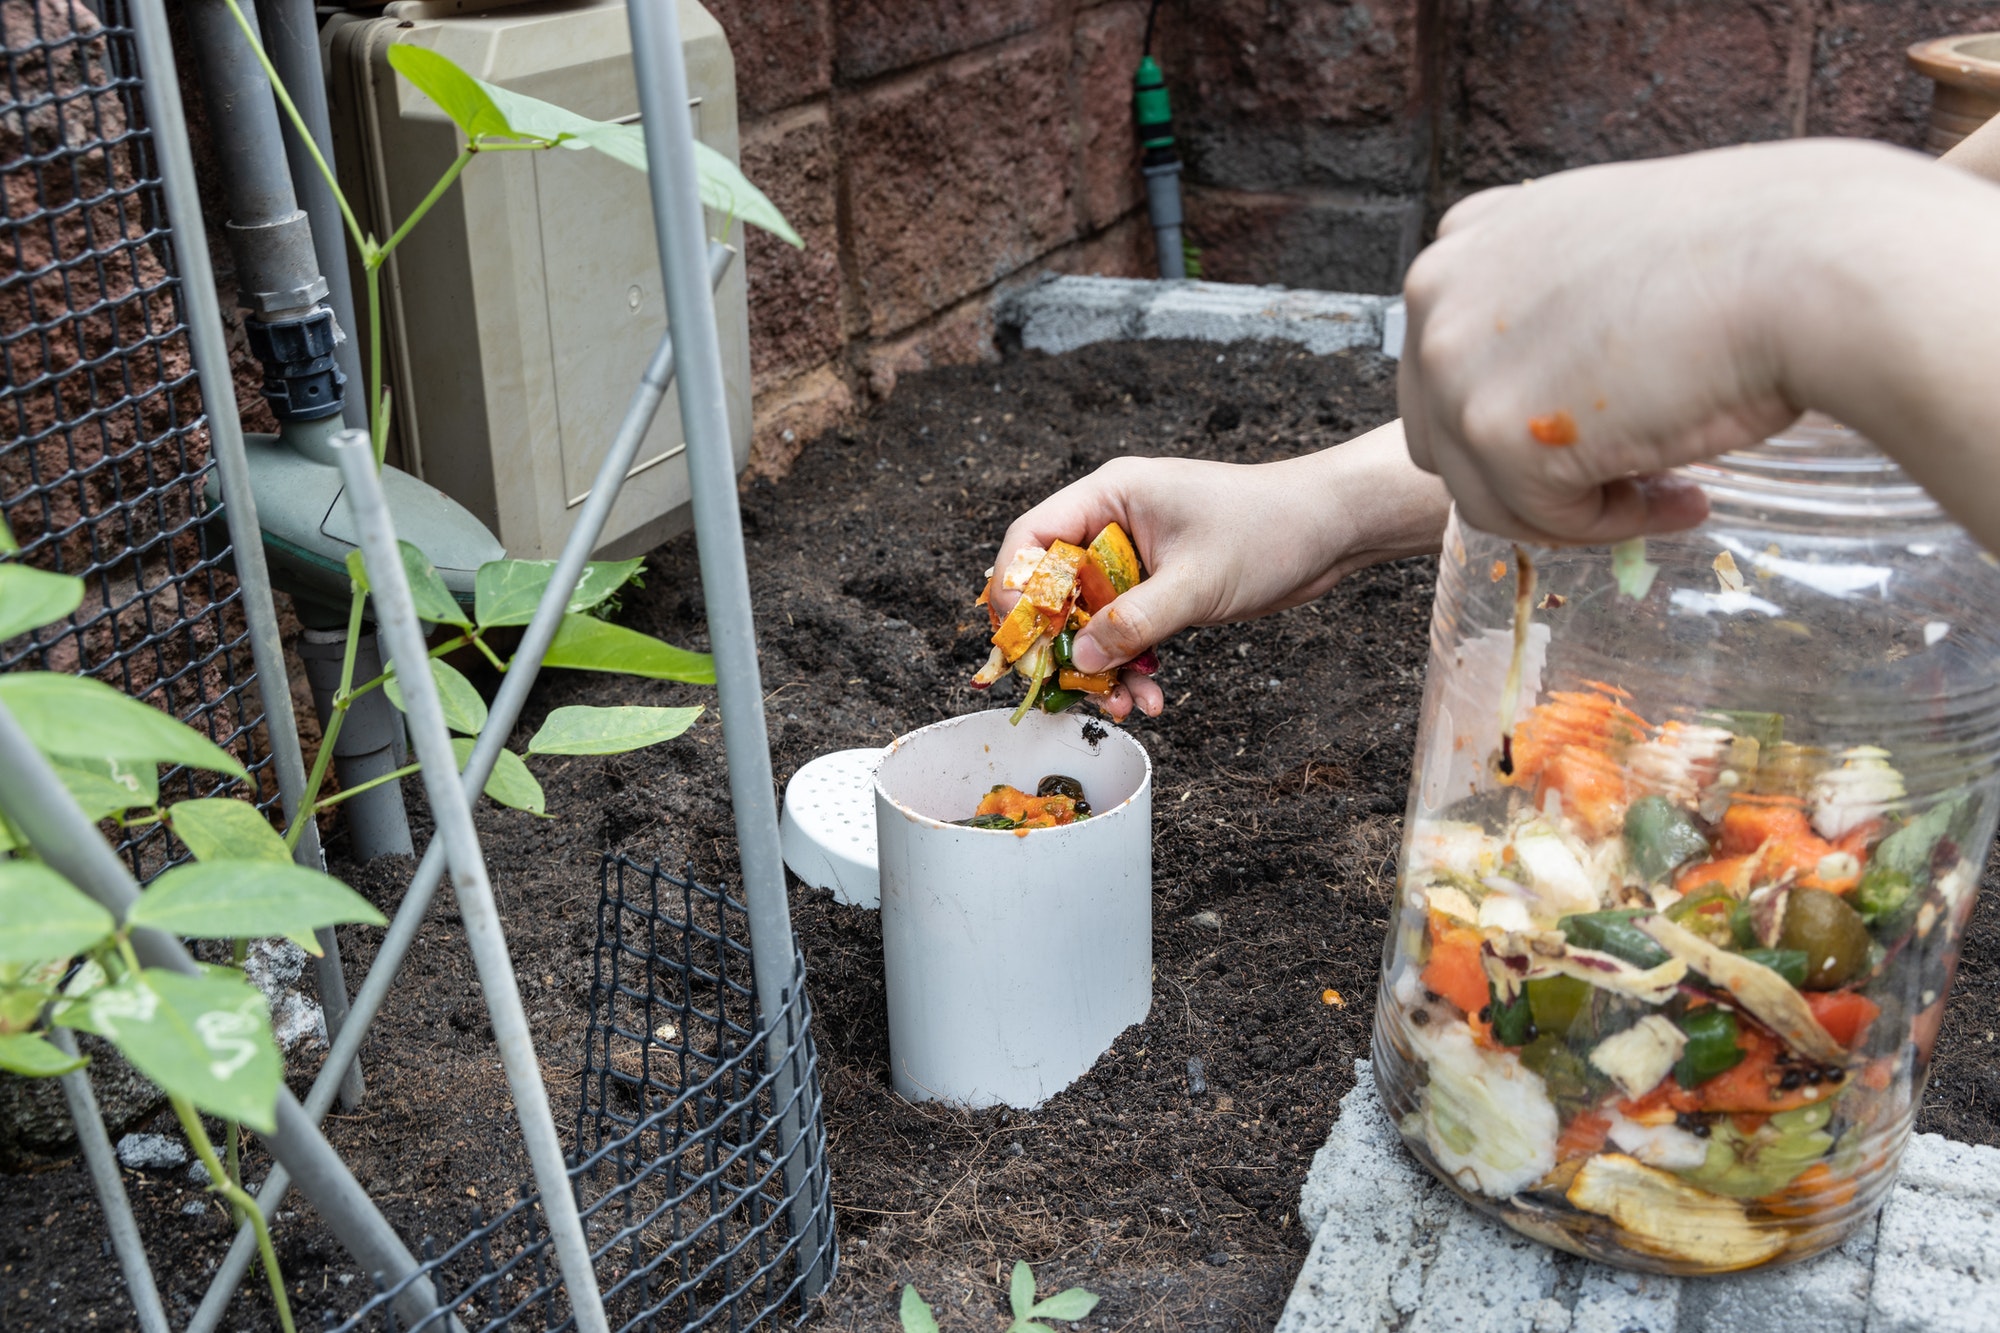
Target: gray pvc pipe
{"type": "Point", "coordinates": [368, 745]}
{"type": "Point", "coordinates": [110, 1187]}
{"type": "Point", "coordinates": [41, 808]}
{"type": "Point", "coordinates": [161, 91]}
{"type": "Point", "coordinates": [1163, 206]}
{"type": "Point", "coordinates": [396, 619]}
{"type": "Point", "coordinates": [506, 710]}
{"type": "Point", "coordinates": [659, 69]}
{"type": "Point", "coordinates": [291, 40]}
{"type": "Point", "coordinates": [277, 273]}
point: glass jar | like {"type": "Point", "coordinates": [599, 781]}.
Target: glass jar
{"type": "Point", "coordinates": [1674, 930]}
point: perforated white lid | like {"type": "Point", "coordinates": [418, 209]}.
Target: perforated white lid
{"type": "Point", "coordinates": [828, 829]}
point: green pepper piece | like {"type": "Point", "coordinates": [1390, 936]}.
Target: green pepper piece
{"type": "Point", "coordinates": [1572, 1082]}
{"type": "Point", "coordinates": [1513, 1024]}
{"type": "Point", "coordinates": [1556, 1002]}
{"type": "Point", "coordinates": [987, 821]}
{"type": "Point", "coordinates": [1614, 933]}
{"type": "Point", "coordinates": [1057, 700]}
{"type": "Point", "coordinates": [1660, 838]}
{"type": "Point", "coordinates": [1742, 927]}
{"type": "Point", "coordinates": [1791, 964]}
{"type": "Point", "coordinates": [1882, 897]}
{"type": "Point", "coordinates": [1711, 1046]}
{"type": "Point", "coordinates": [1709, 914]}
{"type": "Point", "coordinates": [1065, 644]}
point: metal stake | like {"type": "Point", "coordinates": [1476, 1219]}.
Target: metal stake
{"type": "Point", "coordinates": [110, 1187]}
{"type": "Point", "coordinates": [161, 89]}
{"type": "Point", "coordinates": [34, 799]}
{"type": "Point", "coordinates": [506, 710]}
{"type": "Point", "coordinates": [396, 619]}
{"type": "Point", "coordinates": [661, 74]}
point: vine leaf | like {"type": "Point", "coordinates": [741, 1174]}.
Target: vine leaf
{"type": "Point", "coordinates": [76, 716]}
{"type": "Point", "coordinates": [32, 1055]}
{"type": "Point", "coordinates": [434, 602]}
{"type": "Point", "coordinates": [508, 591]}
{"type": "Point", "coordinates": [206, 1038]}
{"type": "Point", "coordinates": [456, 93]}
{"type": "Point", "coordinates": [216, 828]}
{"type": "Point", "coordinates": [108, 787]}
{"type": "Point", "coordinates": [511, 784]}
{"type": "Point", "coordinates": [46, 917]}
{"type": "Point", "coordinates": [31, 598]}
{"type": "Point", "coordinates": [579, 730]}
{"type": "Point", "coordinates": [464, 710]}
{"type": "Point", "coordinates": [916, 1316]}
{"type": "Point", "coordinates": [587, 644]}
{"type": "Point", "coordinates": [231, 899]}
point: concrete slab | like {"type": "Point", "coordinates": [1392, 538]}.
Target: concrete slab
{"type": "Point", "coordinates": [1395, 1252]}
{"type": "Point", "coordinates": [1065, 313]}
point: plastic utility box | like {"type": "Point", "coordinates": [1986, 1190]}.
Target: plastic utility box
{"type": "Point", "coordinates": [522, 310]}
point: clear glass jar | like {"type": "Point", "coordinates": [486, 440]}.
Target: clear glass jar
{"type": "Point", "coordinates": [1674, 933]}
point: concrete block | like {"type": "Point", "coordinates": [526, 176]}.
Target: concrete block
{"type": "Point", "coordinates": [1065, 313]}
{"type": "Point", "coordinates": [783, 51]}
{"type": "Point", "coordinates": [1395, 1250]}
{"type": "Point", "coordinates": [875, 36]}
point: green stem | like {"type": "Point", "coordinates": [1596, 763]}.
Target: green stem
{"type": "Point", "coordinates": [361, 241]}
{"type": "Point", "coordinates": [437, 193]}
{"type": "Point", "coordinates": [491, 656]}
{"type": "Point", "coordinates": [226, 1186]}
{"type": "Point", "coordinates": [369, 785]}
{"type": "Point", "coordinates": [342, 700]}
{"type": "Point", "coordinates": [372, 277]}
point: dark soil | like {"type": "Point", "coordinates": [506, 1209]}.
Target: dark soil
{"type": "Point", "coordinates": [1282, 765]}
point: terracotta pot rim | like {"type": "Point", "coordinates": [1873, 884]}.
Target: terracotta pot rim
{"type": "Point", "coordinates": [1943, 59]}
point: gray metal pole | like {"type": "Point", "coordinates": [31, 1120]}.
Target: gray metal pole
{"type": "Point", "coordinates": [396, 619]}
{"type": "Point", "coordinates": [168, 121]}
{"type": "Point", "coordinates": [291, 40]}
{"type": "Point", "coordinates": [661, 74]}
{"type": "Point", "coordinates": [110, 1187]}
{"type": "Point", "coordinates": [506, 710]}
{"type": "Point", "coordinates": [41, 808]}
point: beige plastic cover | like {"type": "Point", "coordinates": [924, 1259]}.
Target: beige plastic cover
{"type": "Point", "coordinates": [521, 312]}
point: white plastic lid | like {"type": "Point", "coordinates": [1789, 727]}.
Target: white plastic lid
{"type": "Point", "coordinates": [828, 828]}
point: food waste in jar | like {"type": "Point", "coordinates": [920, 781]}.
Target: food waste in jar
{"type": "Point", "coordinates": [1062, 587]}
{"type": "Point", "coordinates": [1656, 988]}
{"type": "Point", "coordinates": [1058, 800]}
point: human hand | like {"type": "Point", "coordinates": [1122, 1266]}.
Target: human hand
{"type": "Point", "coordinates": [1224, 542]}
{"type": "Point", "coordinates": [1571, 340]}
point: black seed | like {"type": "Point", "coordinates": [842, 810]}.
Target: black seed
{"type": "Point", "coordinates": [1791, 1080]}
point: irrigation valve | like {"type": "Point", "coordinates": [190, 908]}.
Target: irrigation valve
{"type": "Point", "coordinates": [1153, 117]}
{"type": "Point", "coordinates": [300, 377]}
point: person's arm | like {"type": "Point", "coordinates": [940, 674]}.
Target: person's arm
{"type": "Point", "coordinates": [1225, 542]}
{"type": "Point", "coordinates": [1572, 340]}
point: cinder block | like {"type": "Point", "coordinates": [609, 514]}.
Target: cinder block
{"type": "Point", "coordinates": [795, 307]}
{"type": "Point", "coordinates": [876, 36]}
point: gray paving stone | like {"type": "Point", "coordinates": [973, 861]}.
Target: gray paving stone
{"type": "Point", "coordinates": [1395, 1252]}
{"type": "Point", "coordinates": [1064, 313]}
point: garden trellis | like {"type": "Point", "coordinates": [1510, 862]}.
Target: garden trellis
{"type": "Point", "coordinates": [773, 1099]}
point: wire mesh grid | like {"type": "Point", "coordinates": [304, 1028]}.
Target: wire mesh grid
{"type": "Point", "coordinates": [678, 1168]}
{"type": "Point", "coordinates": [106, 448]}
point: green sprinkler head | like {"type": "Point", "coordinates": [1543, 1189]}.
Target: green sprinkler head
{"type": "Point", "coordinates": [1152, 113]}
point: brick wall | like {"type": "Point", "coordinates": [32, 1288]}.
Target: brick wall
{"type": "Point", "coordinates": [930, 152]}
{"type": "Point", "coordinates": [933, 151]}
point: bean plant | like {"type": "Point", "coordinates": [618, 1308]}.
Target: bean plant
{"type": "Point", "coordinates": [1068, 1305]}
{"type": "Point", "coordinates": [206, 1040]}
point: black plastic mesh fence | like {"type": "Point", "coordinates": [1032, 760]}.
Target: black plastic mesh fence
{"type": "Point", "coordinates": [678, 1166]}
{"type": "Point", "coordinates": [105, 447]}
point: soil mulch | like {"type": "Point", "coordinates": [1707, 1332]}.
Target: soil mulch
{"type": "Point", "coordinates": [1282, 765]}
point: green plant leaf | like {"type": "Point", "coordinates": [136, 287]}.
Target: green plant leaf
{"type": "Point", "coordinates": [580, 730]}
{"type": "Point", "coordinates": [232, 899]}
{"type": "Point", "coordinates": [1069, 1305]}
{"type": "Point", "coordinates": [456, 93]}
{"type": "Point", "coordinates": [916, 1316]}
{"type": "Point", "coordinates": [73, 716]}
{"type": "Point", "coordinates": [586, 644]}
{"type": "Point", "coordinates": [32, 1055]}
{"type": "Point", "coordinates": [7, 542]}
{"type": "Point", "coordinates": [508, 591]}
{"type": "Point", "coordinates": [24, 989]}
{"type": "Point", "coordinates": [218, 829]}
{"type": "Point", "coordinates": [1021, 1289]}
{"type": "Point", "coordinates": [44, 915]}
{"type": "Point", "coordinates": [723, 185]}
{"type": "Point", "coordinates": [31, 598]}
{"type": "Point", "coordinates": [1633, 572]}
{"type": "Point", "coordinates": [511, 784]}
{"type": "Point", "coordinates": [464, 710]}
{"type": "Point", "coordinates": [433, 600]}
{"type": "Point", "coordinates": [108, 787]}
{"type": "Point", "coordinates": [206, 1038]}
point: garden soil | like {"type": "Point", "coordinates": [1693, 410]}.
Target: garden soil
{"type": "Point", "coordinates": [1167, 1178]}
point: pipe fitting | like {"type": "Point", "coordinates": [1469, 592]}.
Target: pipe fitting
{"type": "Point", "coordinates": [300, 376]}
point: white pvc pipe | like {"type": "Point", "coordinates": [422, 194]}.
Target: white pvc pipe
{"type": "Point", "coordinates": [1013, 959]}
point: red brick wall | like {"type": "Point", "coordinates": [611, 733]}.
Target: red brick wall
{"type": "Point", "coordinates": [929, 152]}
{"type": "Point", "coordinates": [933, 151]}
